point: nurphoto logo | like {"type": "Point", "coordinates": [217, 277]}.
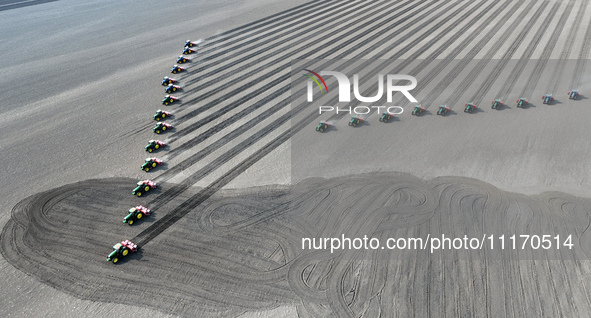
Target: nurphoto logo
{"type": "Point", "coordinates": [344, 91]}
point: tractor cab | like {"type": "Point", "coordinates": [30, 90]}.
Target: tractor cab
{"type": "Point", "coordinates": [469, 108]}
{"type": "Point", "coordinates": [355, 121]}
{"type": "Point", "coordinates": [417, 110]}
{"type": "Point", "coordinates": [496, 104]}
{"type": "Point", "coordinates": [442, 110]}
{"type": "Point", "coordinates": [573, 94]}
{"type": "Point", "coordinates": [322, 126]}
{"type": "Point", "coordinates": [386, 116]}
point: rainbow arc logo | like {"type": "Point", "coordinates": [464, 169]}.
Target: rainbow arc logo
{"type": "Point", "coordinates": [315, 80]}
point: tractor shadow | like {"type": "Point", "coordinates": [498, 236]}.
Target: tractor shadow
{"type": "Point", "coordinates": [528, 105]}
{"type": "Point", "coordinates": [152, 192]}
{"type": "Point", "coordinates": [395, 118]}
{"type": "Point", "coordinates": [168, 130]}
{"type": "Point", "coordinates": [361, 123]}
{"type": "Point", "coordinates": [450, 112]}
{"type": "Point", "coordinates": [331, 128]}
{"type": "Point", "coordinates": [136, 256]}
{"type": "Point", "coordinates": [178, 90]}
{"type": "Point", "coordinates": [502, 107]}
{"type": "Point", "coordinates": [167, 118]}
{"type": "Point", "coordinates": [159, 168]}
{"type": "Point", "coordinates": [145, 219]}
{"type": "Point", "coordinates": [177, 102]}
{"type": "Point", "coordinates": [474, 111]}
{"type": "Point", "coordinates": [425, 112]}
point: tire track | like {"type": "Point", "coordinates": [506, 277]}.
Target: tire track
{"type": "Point", "coordinates": [535, 76]}
{"type": "Point", "coordinates": [170, 194]}
{"type": "Point", "coordinates": [279, 33]}
{"type": "Point", "coordinates": [426, 80]}
{"type": "Point", "coordinates": [477, 70]}
{"type": "Point", "coordinates": [277, 17]}
{"type": "Point", "coordinates": [193, 142]}
{"type": "Point", "coordinates": [185, 185]}
{"type": "Point", "coordinates": [523, 60]}
{"type": "Point", "coordinates": [485, 87]}
{"type": "Point", "coordinates": [268, 86]}
{"type": "Point", "coordinates": [562, 60]}
{"type": "Point", "coordinates": [220, 273]}
{"type": "Point", "coordinates": [430, 98]}
{"type": "Point", "coordinates": [582, 60]}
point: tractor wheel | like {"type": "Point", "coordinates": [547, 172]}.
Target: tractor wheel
{"type": "Point", "coordinates": [139, 216]}
{"type": "Point", "coordinates": [157, 131]}
{"type": "Point", "coordinates": [147, 169]}
{"type": "Point", "coordinates": [163, 128]}
{"type": "Point", "coordinates": [147, 188]}
{"type": "Point", "coordinates": [157, 146]}
{"type": "Point", "coordinates": [125, 251]}
{"type": "Point", "coordinates": [354, 124]}
{"type": "Point", "coordinates": [154, 165]}
{"type": "Point", "coordinates": [150, 150]}
{"type": "Point", "coordinates": [163, 115]}
{"type": "Point", "coordinates": [130, 222]}
{"type": "Point", "coordinates": [174, 89]}
{"type": "Point", "coordinates": [157, 118]}
{"type": "Point", "coordinates": [115, 260]}
{"type": "Point", "coordinates": [385, 120]}
{"type": "Point", "coordinates": [139, 194]}
{"type": "Point", "coordinates": [166, 104]}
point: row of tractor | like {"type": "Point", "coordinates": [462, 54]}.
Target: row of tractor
{"type": "Point", "coordinates": [136, 213]}
{"type": "Point", "coordinates": [444, 109]}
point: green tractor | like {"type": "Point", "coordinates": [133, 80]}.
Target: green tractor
{"type": "Point", "coordinates": [136, 213]}
{"type": "Point", "coordinates": [160, 127]}
{"type": "Point", "coordinates": [143, 187]}
{"type": "Point", "coordinates": [496, 104]}
{"type": "Point", "coordinates": [443, 109]}
{"type": "Point", "coordinates": [154, 145]}
{"type": "Point", "coordinates": [322, 126]}
{"type": "Point", "coordinates": [121, 250]}
{"type": "Point", "coordinates": [386, 116]}
{"type": "Point", "coordinates": [469, 108]}
{"type": "Point", "coordinates": [151, 163]}
{"type": "Point", "coordinates": [418, 110]}
{"type": "Point", "coordinates": [522, 102]}
{"type": "Point", "coordinates": [160, 114]}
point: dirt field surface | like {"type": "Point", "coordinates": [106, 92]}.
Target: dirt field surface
{"type": "Point", "coordinates": [241, 250]}
{"type": "Point", "coordinates": [81, 83]}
